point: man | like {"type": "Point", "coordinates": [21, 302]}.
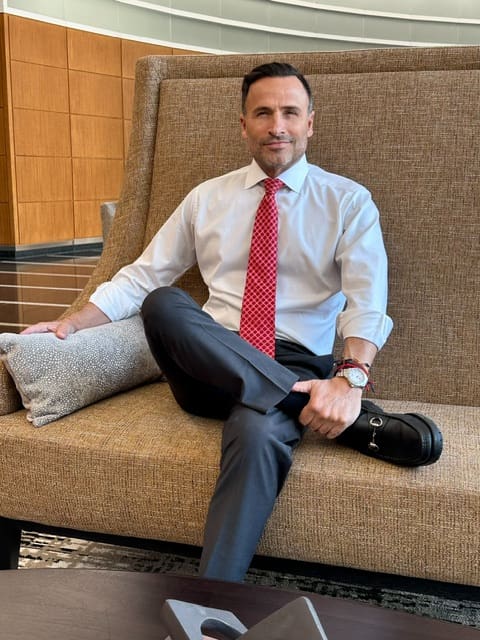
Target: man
{"type": "Point", "coordinates": [267, 371]}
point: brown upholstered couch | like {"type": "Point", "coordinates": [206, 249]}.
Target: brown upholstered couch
{"type": "Point", "coordinates": [405, 123]}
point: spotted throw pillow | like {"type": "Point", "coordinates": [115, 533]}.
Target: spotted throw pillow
{"type": "Point", "coordinates": [56, 377]}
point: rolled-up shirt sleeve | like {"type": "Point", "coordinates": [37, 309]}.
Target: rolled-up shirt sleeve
{"type": "Point", "coordinates": [362, 259]}
{"type": "Point", "coordinates": [170, 253]}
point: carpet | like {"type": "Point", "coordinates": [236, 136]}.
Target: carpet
{"type": "Point", "coordinates": [453, 603]}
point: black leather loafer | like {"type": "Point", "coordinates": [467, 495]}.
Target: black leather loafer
{"type": "Point", "coordinates": [407, 439]}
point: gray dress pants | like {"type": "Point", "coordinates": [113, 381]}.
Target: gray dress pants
{"type": "Point", "coordinates": [213, 372]}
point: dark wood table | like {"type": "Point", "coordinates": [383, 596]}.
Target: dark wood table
{"type": "Point", "coordinates": [86, 604]}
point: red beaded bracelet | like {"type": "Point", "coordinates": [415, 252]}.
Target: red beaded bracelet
{"type": "Point", "coordinates": [350, 363]}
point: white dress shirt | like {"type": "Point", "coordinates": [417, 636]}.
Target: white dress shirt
{"type": "Point", "coordinates": [332, 266]}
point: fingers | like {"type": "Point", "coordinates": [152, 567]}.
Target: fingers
{"type": "Point", "coordinates": [329, 421]}
{"type": "Point", "coordinates": [328, 425]}
{"type": "Point", "coordinates": [41, 327]}
{"type": "Point", "coordinates": [61, 328]}
{"type": "Point", "coordinates": [303, 386]}
{"type": "Point", "coordinates": [316, 414]}
{"type": "Point", "coordinates": [332, 407]}
{"type": "Point", "coordinates": [64, 329]}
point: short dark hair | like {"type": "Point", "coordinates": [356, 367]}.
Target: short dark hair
{"type": "Point", "coordinates": [274, 70]}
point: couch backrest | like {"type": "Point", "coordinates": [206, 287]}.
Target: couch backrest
{"type": "Point", "coordinates": [404, 122]}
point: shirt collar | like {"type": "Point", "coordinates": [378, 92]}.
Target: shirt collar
{"type": "Point", "coordinates": [292, 177]}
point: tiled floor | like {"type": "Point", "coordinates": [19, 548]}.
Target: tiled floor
{"type": "Point", "coordinates": [41, 287]}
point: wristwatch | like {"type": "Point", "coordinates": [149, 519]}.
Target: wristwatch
{"type": "Point", "coordinates": [356, 377]}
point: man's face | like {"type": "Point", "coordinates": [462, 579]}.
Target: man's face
{"type": "Point", "coordinates": [276, 123]}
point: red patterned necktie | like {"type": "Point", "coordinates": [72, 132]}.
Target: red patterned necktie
{"type": "Point", "coordinates": [257, 322]}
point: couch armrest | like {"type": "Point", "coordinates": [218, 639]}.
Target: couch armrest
{"type": "Point", "coordinates": [107, 213]}
{"type": "Point", "coordinates": [9, 398]}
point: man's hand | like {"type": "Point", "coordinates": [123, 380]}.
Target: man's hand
{"type": "Point", "coordinates": [61, 328]}
{"type": "Point", "coordinates": [333, 405]}
{"type": "Point", "coordinates": [89, 316]}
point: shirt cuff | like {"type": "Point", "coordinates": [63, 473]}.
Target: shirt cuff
{"type": "Point", "coordinates": [373, 326]}
{"type": "Point", "coordinates": [113, 302]}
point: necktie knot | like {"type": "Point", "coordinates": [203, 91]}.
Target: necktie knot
{"type": "Point", "coordinates": [272, 185]}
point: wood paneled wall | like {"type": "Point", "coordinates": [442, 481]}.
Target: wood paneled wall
{"type": "Point", "coordinates": [65, 119]}
{"type": "Point", "coordinates": [7, 230]}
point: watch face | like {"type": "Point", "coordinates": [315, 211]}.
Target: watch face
{"type": "Point", "coordinates": [356, 377]}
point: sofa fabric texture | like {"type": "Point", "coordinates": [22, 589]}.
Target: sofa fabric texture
{"type": "Point", "coordinates": [404, 123]}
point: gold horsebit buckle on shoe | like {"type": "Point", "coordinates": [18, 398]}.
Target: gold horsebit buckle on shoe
{"type": "Point", "coordinates": [376, 423]}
